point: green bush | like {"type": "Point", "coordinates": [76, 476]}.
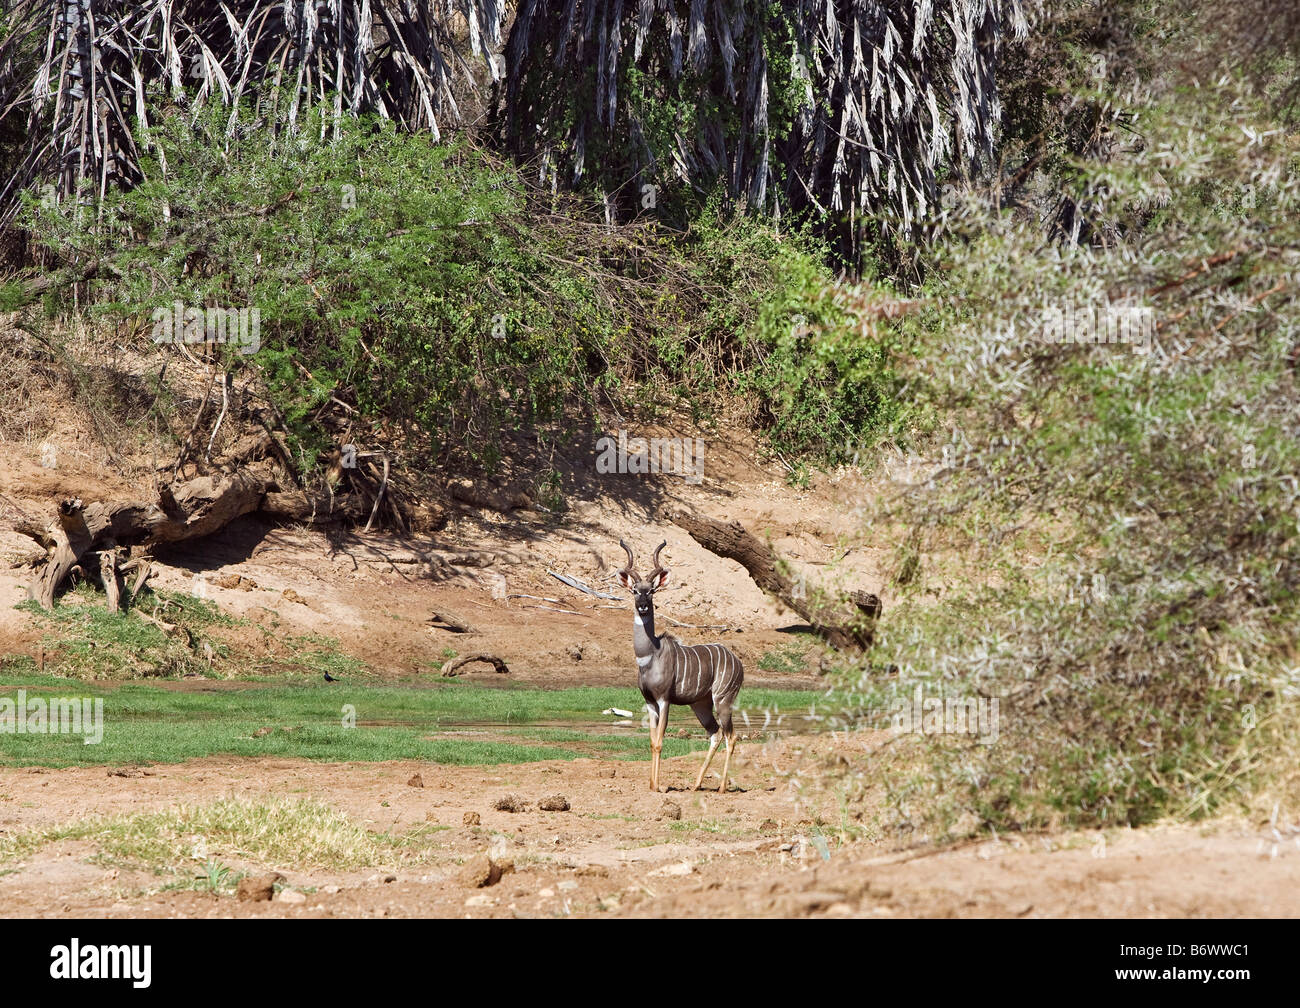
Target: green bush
{"type": "Point", "coordinates": [1111, 529]}
{"type": "Point", "coordinates": [428, 286]}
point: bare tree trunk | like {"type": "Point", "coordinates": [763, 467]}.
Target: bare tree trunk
{"type": "Point", "coordinates": [72, 537]}
{"type": "Point", "coordinates": [108, 574]}
{"type": "Point", "coordinates": [846, 623]}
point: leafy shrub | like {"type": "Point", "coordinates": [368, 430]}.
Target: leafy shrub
{"type": "Point", "coordinates": [430, 288]}
{"type": "Point", "coordinates": [1111, 528]}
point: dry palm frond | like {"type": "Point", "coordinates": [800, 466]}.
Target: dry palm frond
{"type": "Point", "coordinates": [81, 71]}
{"type": "Point", "coordinates": [889, 93]}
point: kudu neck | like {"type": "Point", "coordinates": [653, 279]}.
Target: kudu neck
{"type": "Point", "coordinates": [644, 641]}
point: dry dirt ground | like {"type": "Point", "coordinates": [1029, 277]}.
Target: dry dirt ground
{"type": "Point", "coordinates": [619, 851]}
{"type": "Point", "coordinates": [771, 846]}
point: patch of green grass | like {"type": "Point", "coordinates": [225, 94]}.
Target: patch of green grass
{"type": "Point", "coordinates": [789, 660]}
{"type": "Point", "coordinates": [716, 826]}
{"type": "Point", "coordinates": [188, 610]}
{"type": "Point", "coordinates": [214, 878]}
{"type": "Point", "coordinates": [89, 642]}
{"type": "Point", "coordinates": [148, 723]}
{"type": "Point", "coordinates": [303, 833]}
{"type": "Point", "coordinates": [314, 653]}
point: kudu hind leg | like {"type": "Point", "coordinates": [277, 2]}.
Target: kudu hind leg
{"type": "Point", "coordinates": [726, 763]}
{"type": "Point", "coordinates": [728, 733]}
{"type": "Point", "coordinates": [704, 711]}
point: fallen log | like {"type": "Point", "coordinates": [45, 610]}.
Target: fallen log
{"type": "Point", "coordinates": [313, 508]}
{"type": "Point", "coordinates": [451, 621]}
{"type": "Point", "coordinates": [504, 501]}
{"type": "Point", "coordinates": [189, 510]}
{"type": "Point", "coordinates": [451, 667]}
{"type": "Point", "coordinates": [847, 623]}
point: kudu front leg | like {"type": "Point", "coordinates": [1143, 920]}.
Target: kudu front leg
{"type": "Point", "coordinates": [658, 726]}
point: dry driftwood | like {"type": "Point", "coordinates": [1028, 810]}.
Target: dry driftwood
{"type": "Point", "coordinates": [573, 582]}
{"type": "Point", "coordinates": [847, 623]}
{"type": "Point", "coordinates": [191, 510]}
{"type": "Point", "coordinates": [108, 574]}
{"type": "Point", "coordinates": [451, 621]}
{"type": "Point", "coordinates": [143, 568]}
{"type": "Point", "coordinates": [313, 508]}
{"type": "Point", "coordinates": [451, 667]}
{"type": "Point", "coordinates": [466, 492]}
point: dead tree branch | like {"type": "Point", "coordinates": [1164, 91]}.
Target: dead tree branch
{"type": "Point", "coordinates": [847, 623]}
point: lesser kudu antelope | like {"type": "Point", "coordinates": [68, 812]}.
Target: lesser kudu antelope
{"type": "Point", "coordinates": [669, 672]}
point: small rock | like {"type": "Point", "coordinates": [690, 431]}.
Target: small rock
{"type": "Point", "coordinates": [482, 899]}
{"type": "Point", "coordinates": [258, 887]}
{"type": "Point", "coordinates": [555, 803]}
{"type": "Point", "coordinates": [546, 893]}
{"type": "Point", "coordinates": [331, 890]}
{"type": "Point", "coordinates": [510, 803]}
{"type": "Point", "coordinates": [292, 596]}
{"type": "Point", "coordinates": [235, 581]}
{"type": "Point", "coordinates": [670, 810]}
{"type": "Point", "coordinates": [415, 781]}
{"type": "Point", "coordinates": [471, 819]}
{"type": "Point", "coordinates": [390, 878]}
{"type": "Point", "coordinates": [291, 896]}
{"type": "Point", "coordinates": [678, 869]}
{"type": "Point", "coordinates": [483, 871]}
{"type": "Point", "coordinates": [683, 733]}
{"type": "Point", "coordinates": [262, 732]}
{"type": "Point", "coordinates": [568, 885]}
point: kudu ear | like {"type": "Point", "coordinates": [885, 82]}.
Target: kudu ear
{"type": "Point", "coordinates": [626, 579]}
{"type": "Point", "coordinates": [658, 575]}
